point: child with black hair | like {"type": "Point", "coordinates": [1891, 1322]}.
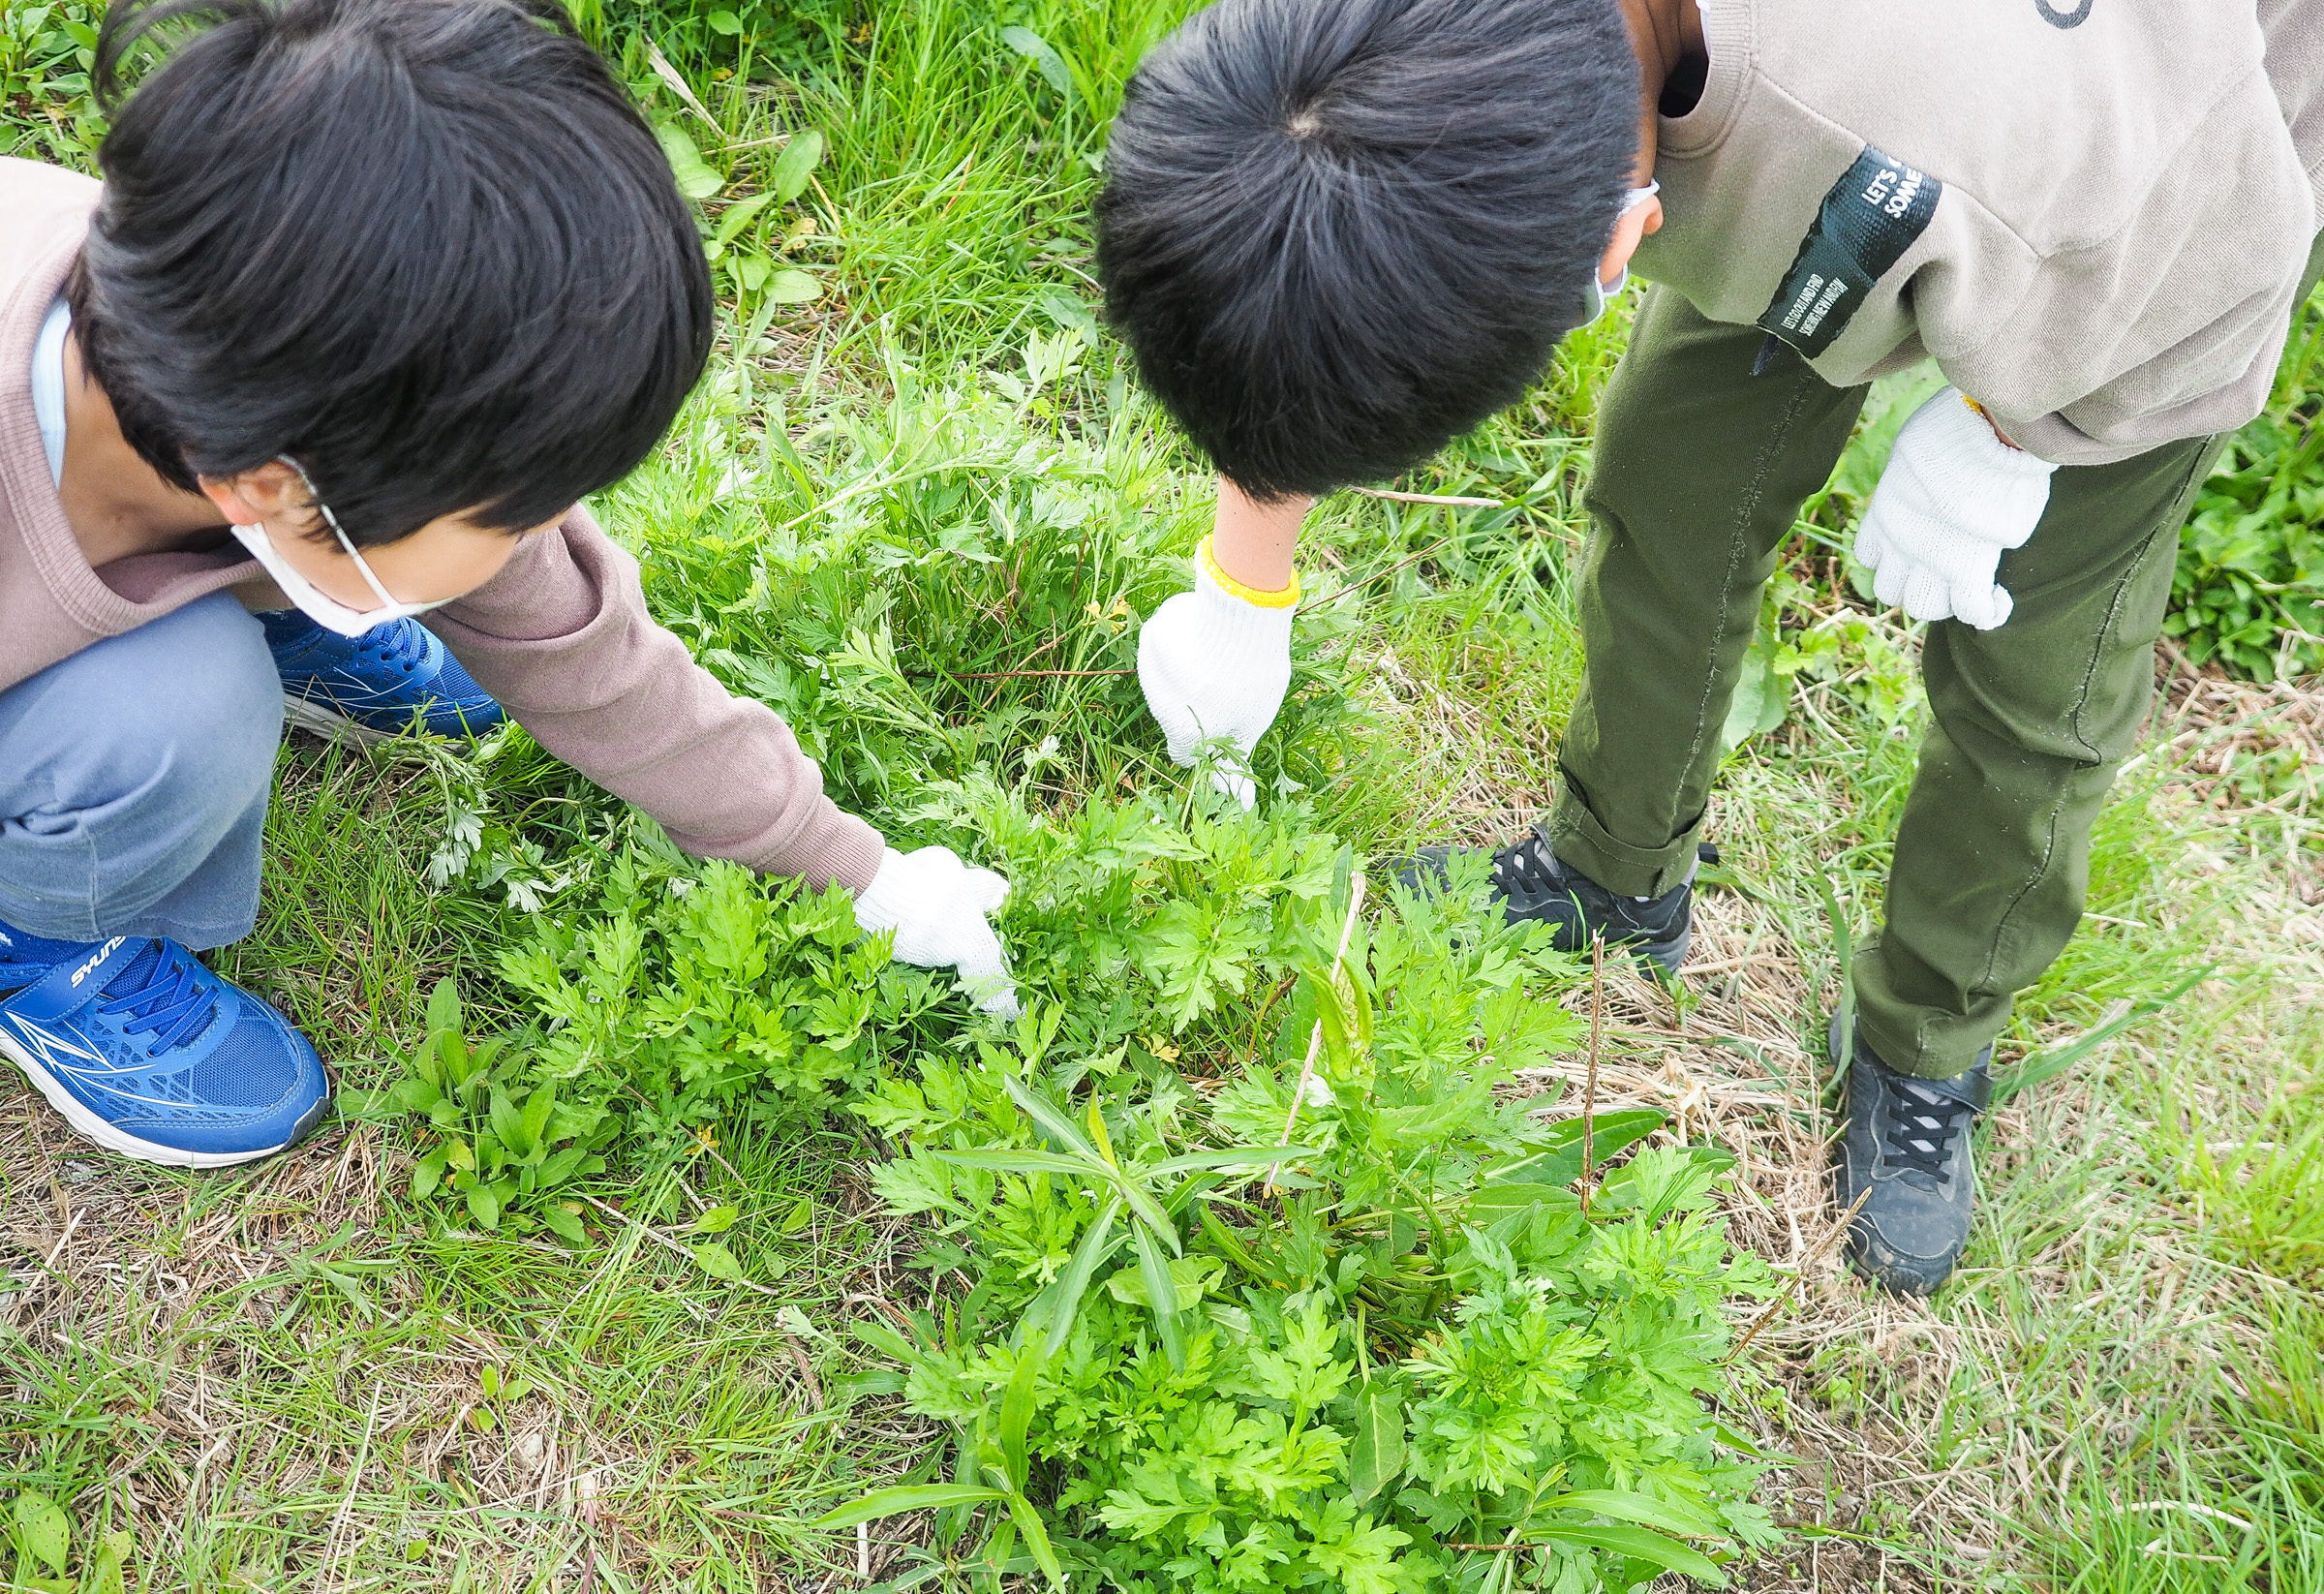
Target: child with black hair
{"type": "Point", "coordinates": [1337, 233]}
{"type": "Point", "coordinates": [374, 293]}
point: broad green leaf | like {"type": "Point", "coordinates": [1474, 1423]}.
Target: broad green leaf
{"type": "Point", "coordinates": [1045, 60]}
{"type": "Point", "coordinates": [459, 1063]}
{"type": "Point", "coordinates": [884, 1338]}
{"type": "Point", "coordinates": [484, 1206]}
{"type": "Point", "coordinates": [738, 216]}
{"type": "Point", "coordinates": [1017, 1413]}
{"type": "Point", "coordinates": [1254, 1158]}
{"type": "Point", "coordinates": [1639, 1544]}
{"type": "Point", "coordinates": [1559, 1161]}
{"type": "Point", "coordinates": [45, 1529]}
{"type": "Point", "coordinates": [795, 165]}
{"type": "Point", "coordinates": [1153, 1219]}
{"type": "Point", "coordinates": [1494, 1202]}
{"type": "Point", "coordinates": [1099, 1244]}
{"type": "Point", "coordinates": [1762, 696]}
{"type": "Point", "coordinates": [725, 22]}
{"type": "Point", "coordinates": [1616, 1129]}
{"type": "Point", "coordinates": [1376, 1460]}
{"type": "Point", "coordinates": [718, 1261]}
{"type": "Point", "coordinates": [508, 1123]}
{"type": "Point", "coordinates": [750, 271]}
{"type": "Point", "coordinates": [428, 1172]}
{"type": "Point", "coordinates": [800, 1215]}
{"type": "Point", "coordinates": [410, 1094]}
{"type": "Point", "coordinates": [1033, 1163]}
{"type": "Point", "coordinates": [107, 1564]}
{"type": "Point", "coordinates": [565, 1225]}
{"type": "Point", "coordinates": [695, 178]}
{"type": "Point", "coordinates": [1098, 1138]}
{"type": "Point", "coordinates": [793, 287]}
{"type": "Point", "coordinates": [1636, 1508]}
{"type": "Point", "coordinates": [718, 1220]}
{"type": "Point", "coordinates": [1084, 1166]}
{"type": "Point", "coordinates": [1226, 1240]}
{"type": "Point", "coordinates": [1191, 1277]}
{"type": "Point", "coordinates": [1037, 1539]}
{"type": "Point", "coordinates": [443, 1008]}
{"type": "Point", "coordinates": [1161, 1289]}
{"type": "Point", "coordinates": [1054, 1120]}
{"type": "Point", "coordinates": [537, 1108]}
{"type": "Point", "coordinates": [895, 1502]}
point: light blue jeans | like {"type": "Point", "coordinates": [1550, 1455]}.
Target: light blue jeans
{"type": "Point", "coordinates": [133, 778]}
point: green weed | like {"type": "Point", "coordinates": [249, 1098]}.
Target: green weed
{"type": "Point", "coordinates": [1366, 1332]}
{"type": "Point", "coordinates": [2249, 587]}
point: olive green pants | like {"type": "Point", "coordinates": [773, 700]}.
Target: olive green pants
{"type": "Point", "coordinates": [1701, 468]}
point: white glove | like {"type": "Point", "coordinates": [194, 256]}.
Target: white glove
{"type": "Point", "coordinates": [1953, 497]}
{"type": "Point", "coordinates": [1215, 664]}
{"type": "Point", "coordinates": [937, 905]}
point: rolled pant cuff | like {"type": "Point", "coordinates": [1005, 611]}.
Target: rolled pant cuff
{"type": "Point", "coordinates": [1911, 1040]}
{"type": "Point", "coordinates": [1578, 838]}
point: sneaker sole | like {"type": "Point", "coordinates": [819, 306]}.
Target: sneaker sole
{"type": "Point", "coordinates": [1663, 955]}
{"type": "Point", "coordinates": [1666, 956]}
{"type": "Point", "coordinates": [113, 1138]}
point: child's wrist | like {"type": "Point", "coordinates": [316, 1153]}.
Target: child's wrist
{"type": "Point", "coordinates": [1207, 561]}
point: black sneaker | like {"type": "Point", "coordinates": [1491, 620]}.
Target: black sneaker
{"type": "Point", "coordinates": [1908, 1142]}
{"type": "Point", "coordinates": [1532, 883]}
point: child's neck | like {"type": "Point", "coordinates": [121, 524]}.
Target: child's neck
{"type": "Point", "coordinates": [1665, 34]}
{"type": "Point", "coordinates": [117, 503]}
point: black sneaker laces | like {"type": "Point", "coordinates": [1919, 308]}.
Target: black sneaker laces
{"type": "Point", "coordinates": [1922, 1126]}
{"type": "Point", "coordinates": [1529, 866]}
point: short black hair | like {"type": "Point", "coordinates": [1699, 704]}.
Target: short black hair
{"type": "Point", "coordinates": [426, 248]}
{"type": "Point", "coordinates": [1337, 234]}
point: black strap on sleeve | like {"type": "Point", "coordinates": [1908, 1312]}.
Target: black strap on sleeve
{"type": "Point", "coordinates": [1867, 221]}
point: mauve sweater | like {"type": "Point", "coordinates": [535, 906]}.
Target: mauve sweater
{"type": "Point", "coordinates": [561, 636]}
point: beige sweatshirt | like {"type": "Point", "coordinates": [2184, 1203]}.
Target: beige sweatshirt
{"type": "Point", "coordinates": [561, 636]}
{"type": "Point", "coordinates": [2103, 206]}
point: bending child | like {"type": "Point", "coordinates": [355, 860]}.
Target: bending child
{"type": "Point", "coordinates": [1338, 232]}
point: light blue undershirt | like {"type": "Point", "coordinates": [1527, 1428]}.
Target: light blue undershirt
{"type": "Point", "coordinates": [48, 384]}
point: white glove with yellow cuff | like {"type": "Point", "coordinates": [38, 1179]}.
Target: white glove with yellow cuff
{"type": "Point", "coordinates": [937, 905]}
{"type": "Point", "coordinates": [1216, 663]}
{"type": "Point", "coordinates": [1953, 498]}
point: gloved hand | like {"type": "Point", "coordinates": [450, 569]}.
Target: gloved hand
{"type": "Point", "coordinates": [937, 905]}
{"type": "Point", "coordinates": [1953, 497]}
{"type": "Point", "coordinates": [1215, 662]}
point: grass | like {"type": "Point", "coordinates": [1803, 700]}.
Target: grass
{"type": "Point", "coordinates": [883, 504]}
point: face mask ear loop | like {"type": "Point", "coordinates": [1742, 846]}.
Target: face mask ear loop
{"type": "Point", "coordinates": [1637, 197]}
{"type": "Point", "coordinates": [388, 599]}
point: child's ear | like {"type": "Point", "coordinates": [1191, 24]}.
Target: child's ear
{"type": "Point", "coordinates": [1637, 222]}
{"type": "Point", "coordinates": [253, 498]}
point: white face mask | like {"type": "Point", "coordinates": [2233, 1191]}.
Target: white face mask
{"type": "Point", "coordinates": [311, 600]}
{"type": "Point", "coordinates": [1601, 296]}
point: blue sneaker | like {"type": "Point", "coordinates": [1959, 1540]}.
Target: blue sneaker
{"type": "Point", "coordinates": [147, 1053]}
{"type": "Point", "coordinates": [368, 687]}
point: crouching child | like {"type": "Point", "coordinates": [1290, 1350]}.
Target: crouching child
{"type": "Point", "coordinates": [372, 294]}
